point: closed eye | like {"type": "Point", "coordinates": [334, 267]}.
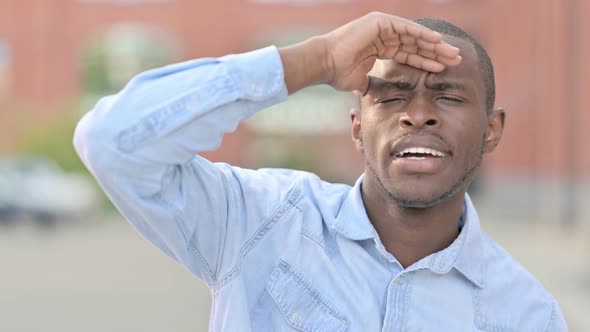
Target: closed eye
{"type": "Point", "coordinates": [391, 100]}
{"type": "Point", "coordinates": [451, 99]}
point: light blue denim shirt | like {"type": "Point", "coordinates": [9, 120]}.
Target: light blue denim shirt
{"type": "Point", "coordinates": [282, 250]}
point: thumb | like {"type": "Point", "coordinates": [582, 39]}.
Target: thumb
{"type": "Point", "coordinates": [364, 86]}
{"type": "Point", "coordinates": [364, 81]}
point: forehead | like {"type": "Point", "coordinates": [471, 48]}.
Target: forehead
{"type": "Point", "coordinates": [467, 70]}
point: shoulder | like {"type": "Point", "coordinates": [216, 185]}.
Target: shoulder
{"type": "Point", "coordinates": [511, 299]}
{"type": "Point", "coordinates": [291, 183]}
{"type": "Point", "coordinates": [307, 181]}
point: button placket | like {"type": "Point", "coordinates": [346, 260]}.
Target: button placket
{"type": "Point", "coordinates": [396, 300]}
{"type": "Point", "coordinates": [400, 280]}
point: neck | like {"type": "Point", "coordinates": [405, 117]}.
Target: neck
{"type": "Point", "coordinates": [411, 234]}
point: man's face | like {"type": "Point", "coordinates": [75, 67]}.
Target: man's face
{"type": "Point", "coordinates": [423, 134]}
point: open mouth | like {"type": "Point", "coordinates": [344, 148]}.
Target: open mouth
{"type": "Point", "coordinates": [420, 153]}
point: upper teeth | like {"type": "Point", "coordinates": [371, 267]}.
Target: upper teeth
{"type": "Point", "coordinates": [421, 151]}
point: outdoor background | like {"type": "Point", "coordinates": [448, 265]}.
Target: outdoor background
{"type": "Point", "coordinates": [69, 262]}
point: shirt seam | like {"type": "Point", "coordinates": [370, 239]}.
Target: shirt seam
{"type": "Point", "coordinates": [404, 312]}
{"type": "Point", "coordinates": [551, 318]}
{"type": "Point", "coordinates": [178, 220]}
{"type": "Point", "coordinates": [293, 196]}
{"type": "Point", "coordinates": [129, 139]}
{"type": "Point", "coordinates": [191, 247]}
{"type": "Point", "coordinates": [315, 239]}
{"type": "Point", "coordinates": [289, 271]}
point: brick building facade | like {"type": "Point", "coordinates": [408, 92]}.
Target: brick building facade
{"type": "Point", "coordinates": [539, 48]}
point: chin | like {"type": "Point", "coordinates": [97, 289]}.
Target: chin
{"type": "Point", "coordinates": [423, 199]}
{"type": "Point", "coordinates": [416, 202]}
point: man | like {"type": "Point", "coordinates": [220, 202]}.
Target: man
{"type": "Point", "coordinates": [281, 250]}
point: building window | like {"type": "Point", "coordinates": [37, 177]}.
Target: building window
{"type": "Point", "coordinates": [309, 131]}
{"type": "Point", "coordinates": [117, 54]}
{"type": "Point", "coordinates": [317, 110]}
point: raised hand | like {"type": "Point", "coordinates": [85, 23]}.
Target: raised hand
{"type": "Point", "coordinates": [343, 57]}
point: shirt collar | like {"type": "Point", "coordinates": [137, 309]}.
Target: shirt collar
{"type": "Point", "coordinates": [465, 254]}
{"type": "Point", "coordinates": [352, 221]}
{"type": "Point", "coordinates": [471, 254]}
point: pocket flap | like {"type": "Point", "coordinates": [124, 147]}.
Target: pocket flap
{"type": "Point", "coordinates": [301, 305]}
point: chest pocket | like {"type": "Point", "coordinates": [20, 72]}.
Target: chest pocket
{"type": "Point", "coordinates": [300, 304]}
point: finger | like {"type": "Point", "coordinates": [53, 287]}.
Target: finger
{"type": "Point", "coordinates": [362, 82]}
{"type": "Point", "coordinates": [389, 52]}
{"type": "Point", "coordinates": [391, 40]}
{"type": "Point", "coordinates": [415, 60]}
{"type": "Point", "coordinates": [407, 27]}
{"type": "Point", "coordinates": [438, 58]}
{"type": "Point", "coordinates": [427, 54]}
{"type": "Point", "coordinates": [418, 61]}
{"type": "Point", "coordinates": [450, 62]}
{"type": "Point", "coordinates": [410, 49]}
{"type": "Point", "coordinates": [446, 50]}
{"type": "Point", "coordinates": [401, 57]}
{"type": "Point", "coordinates": [441, 48]}
{"type": "Point", "coordinates": [413, 49]}
{"type": "Point", "coordinates": [407, 40]}
{"type": "Point", "coordinates": [431, 65]}
{"type": "Point", "coordinates": [379, 45]}
{"type": "Point", "coordinates": [364, 87]}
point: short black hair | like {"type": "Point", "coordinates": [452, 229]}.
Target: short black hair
{"type": "Point", "coordinates": [485, 63]}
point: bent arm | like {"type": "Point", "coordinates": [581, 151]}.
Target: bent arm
{"type": "Point", "coordinates": [141, 143]}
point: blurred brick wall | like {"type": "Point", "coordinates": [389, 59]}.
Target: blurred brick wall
{"type": "Point", "coordinates": [538, 47]}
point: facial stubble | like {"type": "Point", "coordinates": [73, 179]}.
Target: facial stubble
{"type": "Point", "coordinates": [461, 184]}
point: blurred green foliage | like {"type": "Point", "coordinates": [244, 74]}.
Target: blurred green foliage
{"type": "Point", "coordinates": [52, 138]}
{"type": "Point", "coordinates": [107, 63]}
{"type": "Point", "coordinates": [122, 51]}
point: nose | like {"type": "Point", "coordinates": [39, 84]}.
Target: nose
{"type": "Point", "coordinates": [419, 113]}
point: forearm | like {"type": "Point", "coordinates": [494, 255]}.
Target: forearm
{"type": "Point", "coordinates": [305, 64]}
{"type": "Point", "coordinates": [165, 116]}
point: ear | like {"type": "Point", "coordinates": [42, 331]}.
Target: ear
{"type": "Point", "coordinates": [357, 138]}
{"type": "Point", "coordinates": [496, 121]}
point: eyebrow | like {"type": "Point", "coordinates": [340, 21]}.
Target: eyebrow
{"type": "Point", "coordinates": [402, 84]}
{"type": "Point", "coordinates": [398, 84]}
{"type": "Point", "coordinates": [443, 86]}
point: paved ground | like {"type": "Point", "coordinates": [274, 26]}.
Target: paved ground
{"type": "Point", "coordinates": [104, 277]}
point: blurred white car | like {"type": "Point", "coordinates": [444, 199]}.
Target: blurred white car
{"type": "Point", "coordinates": [38, 188]}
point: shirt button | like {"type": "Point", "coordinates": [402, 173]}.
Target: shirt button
{"type": "Point", "coordinates": [400, 280]}
{"type": "Point", "coordinates": [297, 318]}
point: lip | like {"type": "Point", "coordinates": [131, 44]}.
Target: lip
{"type": "Point", "coordinates": [429, 165]}
{"type": "Point", "coordinates": [423, 165]}
{"type": "Point", "coordinates": [420, 141]}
